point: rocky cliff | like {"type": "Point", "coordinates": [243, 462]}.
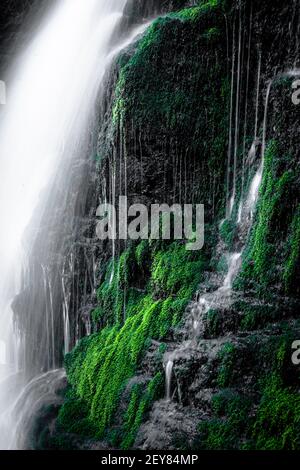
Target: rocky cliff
{"type": "Point", "coordinates": [198, 110]}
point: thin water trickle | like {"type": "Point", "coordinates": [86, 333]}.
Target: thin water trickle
{"type": "Point", "coordinates": [257, 95]}
{"type": "Point", "coordinates": [169, 370]}
{"type": "Point", "coordinates": [229, 152]}
{"type": "Point", "coordinates": [237, 116]}
{"type": "Point", "coordinates": [234, 263]}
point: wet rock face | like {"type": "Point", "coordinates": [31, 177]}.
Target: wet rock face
{"type": "Point", "coordinates": [158, 132]}
{"type": "Point", "coordinates": [170, 427]}
{"type": "Point", "coordinates": [164, 134]}
{"type": "Point", "coordinates": [243, 344]}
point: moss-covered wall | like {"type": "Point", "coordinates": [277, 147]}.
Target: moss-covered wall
{"type": "Point", "coordinates": [170, 117]}
{"type": "Point", "coordinates": [165, 138]}
{"type": "Point", "coordinates": [271, 260]}
{"type": "Point", "coordinates": [131, 317]}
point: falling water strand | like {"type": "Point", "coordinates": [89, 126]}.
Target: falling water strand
{"type": "Point", "coordinates": [47, 314]}
{"type": "Point", "coordinates": [230, 121]}
{"type": "Point", "coordinates": [265, 121]}
{"type": "Point", "coordinates": [65, 308]}
{"type": "Point", "coordinates": [246, 110]}
{"type": "Point", "coordinates": [112, 218]}
{"type": "Point", "coordinates": [234, 263]}
{"type": "Point", "coordinates": [52, 323]}
{"type": "Point", "coordinates": [256, 182]}
{"type": "Point", "coordinates": [169, 370]}
{"type": "Point", "coordinates": [257, 95]}
{"type": "Point", "coordinates": [237, 115]}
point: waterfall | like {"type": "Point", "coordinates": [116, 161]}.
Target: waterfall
{"type": "Point", "coordinates": [256, 182]}
{"type": "Point", "coordinates": [233, 267]}
{"type": "Point", "coordinates": [169, 368]}
{"type": "Point", "coordinates": [46, 132]}
{"type": "Point", "coordinates": [39, 392]}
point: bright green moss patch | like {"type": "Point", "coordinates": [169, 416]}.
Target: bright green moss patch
{"type": "Point", "coordinates": [194, 13]}
{"type": "Point", "coordinates": [266, 417]}
{"type": "Point", "coordinates": [100, 366]}
{"type": "Point", "coordinates": [277, 419]}
{"type": "Point", "coordinates": [227, 232]}
{"type": "Point", "coordinates": [154, 92]}
{"type": "Point", "coordinates": [272, 192]}
{"type": "Point", "coordinates": [101, 373]}
{"type": "Point", "coordinates": [277, 425]}
{"type": "Point", "coordinates": [291, 274]}
{"type": "Point", "coordinates": [120, 291]}
{"type": "Point", "coordinates": [140, 402]}
{"type": "Point", "coordinates": [174, 272]}
{"type": "Point", "coordinates": [263, 256]}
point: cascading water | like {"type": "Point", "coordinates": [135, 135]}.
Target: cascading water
{"type": "Point", "coordinates": [45, 133]}
{"type": "Point", "coordinates": [169, 368]}
{"type": "Point", "coordinates": [222, 295]}
{"type": "Point", "coordinates": [39, 393]}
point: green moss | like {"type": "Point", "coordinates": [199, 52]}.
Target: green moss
{"type": "Point", "coordinates": [254, 316]}
{"type": "Point", "coordinates": [212, 319]}
{"type": "Point", "coordinates": [154, 91]}
{"type": "Point", "coordinates": [73, 416]}
{"type": "Point", "coordinates": [263, 255]}
{"type": "Point", "coordinates": [140, 403]}
{"type": "Point", "coordinates": [291, 274]}
{"type": "Point", "coordinates": [100, 374]}
{"type": "Point", "coordinates": [120, 275]}
{"type": "Point", "coordinates": [194, 13]}
{"type": "Point", "coordinates": [227, 356]}
{"type": "Point", "coordinates": [227, 232]}
{"type": "Point", "coordinates": [277, 425]}
{"type": "Point", "coordinates": [100, 366]}
{"type": "Point", "coordinates": [267, 419]}
{"type": "Point", "coordinates": [231, 418]}
{"type": "Point", "coordinates": [176, 272]}
{"type": "Point", "coordinates": [143, 254]}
